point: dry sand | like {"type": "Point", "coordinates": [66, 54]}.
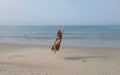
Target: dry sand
{"type": "Point", "coordinates": [38, 60]}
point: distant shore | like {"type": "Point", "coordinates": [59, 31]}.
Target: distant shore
{"type": "Point", "coordinates": [18, 59]}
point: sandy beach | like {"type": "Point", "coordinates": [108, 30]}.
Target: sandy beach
{"type": "Point", "coordinates": [38, 60]}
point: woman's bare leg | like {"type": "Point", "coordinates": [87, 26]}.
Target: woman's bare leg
{"type": "Point", "coordinates": [55, 43]}
{"type": "Point", "coordinates": [54, 49]}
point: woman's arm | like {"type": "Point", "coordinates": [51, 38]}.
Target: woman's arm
{"type": "Point", "coordinates": [61, 29]}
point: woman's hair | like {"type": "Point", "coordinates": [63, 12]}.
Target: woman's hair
{"type": "Point", "coordinates": [59, 34]}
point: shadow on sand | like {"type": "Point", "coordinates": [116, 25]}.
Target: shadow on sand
{"type": "Point", "coordinates": [83, 57]}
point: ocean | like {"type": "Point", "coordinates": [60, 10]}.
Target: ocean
{"type": "Point", "coordinates": [82, 35]}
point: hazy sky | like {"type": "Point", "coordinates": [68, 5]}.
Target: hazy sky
{"type": "Point", "coordinates": [57, 12]}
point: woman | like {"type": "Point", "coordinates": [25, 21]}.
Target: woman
{"type": "Point", "coordinates": [56, 45]}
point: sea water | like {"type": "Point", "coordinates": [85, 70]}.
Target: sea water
{"type": "Point", "coordinates": [82, 35]}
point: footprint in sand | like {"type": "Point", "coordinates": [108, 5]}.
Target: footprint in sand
{"type": "Point", "coordinates": [104, 73]}
{"type": "Point", "coordinates": [13, 56]}
{"type": "Point", "coordinates": [84, 60]}
{"type": "Point", "coordinates": [118, 70]}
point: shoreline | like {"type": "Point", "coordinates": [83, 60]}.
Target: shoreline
{"type": "Point", "coordinates": [35, 45]}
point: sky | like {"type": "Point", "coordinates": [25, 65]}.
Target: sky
{"type": "Point", "coordinates": [59, 12]}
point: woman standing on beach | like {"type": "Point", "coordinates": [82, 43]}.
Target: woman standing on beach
{"type": "Point", "coordinates": [56, 46]}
